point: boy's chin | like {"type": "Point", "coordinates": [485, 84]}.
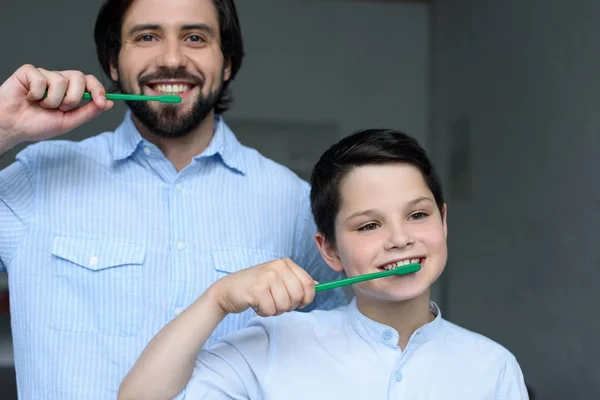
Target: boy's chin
{"type": "Point", "coordinates": [395, 295]}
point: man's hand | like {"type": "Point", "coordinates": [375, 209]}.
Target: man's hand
{"type": "Point", "coordinates": [270, 289]}
{"type": "Point", "coordinates": [25, 115]}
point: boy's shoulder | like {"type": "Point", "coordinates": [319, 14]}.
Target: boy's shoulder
{"type": "Point", "coordinates": [303, 325]}
{"type": "Point", "coordinates": [469, 344]}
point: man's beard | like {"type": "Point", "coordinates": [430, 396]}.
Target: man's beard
{"type": "Point", "coordinates": [168, 121]}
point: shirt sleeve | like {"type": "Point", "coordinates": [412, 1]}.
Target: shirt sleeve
{"type": "Point", "coordinates": [234, 368]}
{"type": "Point", "coordinates": [306, 254]}
{"type": "Point", "coordinates": [511, 384]}
{"type": "Point", "coordinates": [16, 205]}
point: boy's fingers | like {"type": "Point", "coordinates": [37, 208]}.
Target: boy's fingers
{"type": "Point", "coordinates": [295, 289]}
{"type": "Point", "coordinates": [281, 297]}
{"type": "Point", "coordinates": [265, 306]}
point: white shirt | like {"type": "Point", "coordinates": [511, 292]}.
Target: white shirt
{"type": "Point", "coordinates": [342, 354]}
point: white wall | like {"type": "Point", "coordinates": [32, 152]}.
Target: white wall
{"type": "Point", "coordinates": [524, 254]}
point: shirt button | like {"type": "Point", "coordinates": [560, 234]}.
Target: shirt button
{"type": "Point", "coordinates": [93, 261]}
{"type": "Point", "coordinates": [179, 187]}
{"type": "Point", "coordinates": [387, 335]}
{"type": "Point", "coordinates": [181, 245]}
{"type": "Point", "coordinates": [398, 376]}
{"type": "Point", "coordinates": [147, 150]}
{"type": "Point", "coordinates": [178, 310]}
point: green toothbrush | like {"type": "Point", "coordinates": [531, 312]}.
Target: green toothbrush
{"type": "Point", "coordinates": [163, 98]}
{"type": "Point", "coordinates": [402, 270]}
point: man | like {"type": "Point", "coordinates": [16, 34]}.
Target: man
{"type": "Point", "coordinates": [105, 241]}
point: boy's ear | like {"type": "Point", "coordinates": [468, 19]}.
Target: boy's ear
{"type": "Point", "coordinates": [445, 220]}
{"type": "Point", "coordinates": [329, 253]}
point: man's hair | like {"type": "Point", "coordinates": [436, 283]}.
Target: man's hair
{"type": "Point", "coordinates": [107, 34]}
{"type": "Point", "coordinates": [363, 148]}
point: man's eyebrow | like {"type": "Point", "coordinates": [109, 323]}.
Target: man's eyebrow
{"type": "Point", "coordinates": [144, 27]}
{"type": "Point", "coordinates": [187, 27]}
{"type": "Point", "coordinates": [200, 27]}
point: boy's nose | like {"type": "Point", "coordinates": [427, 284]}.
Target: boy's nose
{"type": "Point", "coordinates": [398, 238]}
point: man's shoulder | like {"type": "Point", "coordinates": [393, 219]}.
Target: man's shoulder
{"type": "Point", "coordinates": [259, 165]}
{"type": "Point", "coordinates": [96, 148]}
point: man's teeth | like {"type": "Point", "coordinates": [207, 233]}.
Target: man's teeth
{"type": "Point", "coordinates": [170, 89]}
{"type": "Point", "coordinates": [400, 263]}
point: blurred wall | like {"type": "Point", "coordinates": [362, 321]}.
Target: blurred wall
{"type": "Point", "coordinates": [342, 65]}
{"type": "Point", "coordinates": [516, 92]}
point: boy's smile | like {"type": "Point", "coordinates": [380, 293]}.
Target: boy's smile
{"type": "Point", "coordinates": [388, 217]}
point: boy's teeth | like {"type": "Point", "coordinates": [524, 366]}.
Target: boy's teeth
{"type": "Point", "coordinates": [400, 263]}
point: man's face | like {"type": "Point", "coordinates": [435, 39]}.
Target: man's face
{"type": "Point", "coordinates": [171, 47]}
{"type": "Point", "coordinates": [388, 216]}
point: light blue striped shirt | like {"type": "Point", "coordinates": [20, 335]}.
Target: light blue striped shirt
{"type": "Point", "coordinates": [104, 243]}
{"type": "Point", "coordinates": [342, 354]}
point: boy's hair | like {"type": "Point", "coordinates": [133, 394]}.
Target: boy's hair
{"type": "Point", "coordinates": [367, 147]}
{"type": "Point", "coordinates": [107, 34]}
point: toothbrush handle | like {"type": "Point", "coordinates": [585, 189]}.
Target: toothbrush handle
{"type": "Point", "coordinates": [405, 269]}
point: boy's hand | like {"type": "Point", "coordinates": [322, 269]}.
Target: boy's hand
{"type": "Point", "coordinates": [25, 115]}
{"type": "Point", "coordinates": [270, 289]}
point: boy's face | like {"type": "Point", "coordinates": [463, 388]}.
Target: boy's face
{"type": "Point", "coordinates": [387, 215]}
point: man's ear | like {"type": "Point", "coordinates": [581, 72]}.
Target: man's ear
{"type": "Point", "coordinates": [329, 253]}
{"type": "Point", "coordinates": [114, 71]}
{"type": "Point", "coordinates": [227, 71]}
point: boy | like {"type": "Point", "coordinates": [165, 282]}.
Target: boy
{"type": "Point", "coordinates": [377, 203]}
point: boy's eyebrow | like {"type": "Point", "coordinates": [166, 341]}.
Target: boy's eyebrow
{"type": "Point", "coordinates": [361, 213]}
{"type": "Point", "coordinates": [371, 211]}
{"type": "Point", "coordinates": [420, 200]}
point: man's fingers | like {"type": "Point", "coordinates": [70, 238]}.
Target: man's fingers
{"type": "Point", "coordinates": [97, 91]}
{"type": "Point", "coordinates": [33, 81]}
{"type": "Point", "coordinates": [56, 87]}
{"type": "Point", "coordinates": [75, 89]}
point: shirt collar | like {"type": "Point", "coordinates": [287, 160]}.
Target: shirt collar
{"type": "Point", "coordinates": [224, 144]}
{"type": "Point", "coordinates": [227, 147]}
{"type": "Point", "coordinates": [127, 139]}
{"type": "Point", "coordinates": [373, 330]}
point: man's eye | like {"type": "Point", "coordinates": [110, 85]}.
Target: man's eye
{"type": "Point", "coordinates": [146, 38]}
{"type": "Point", "coordinates": [196, 38]}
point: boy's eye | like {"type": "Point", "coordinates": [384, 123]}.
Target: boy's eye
{"type": "Point", "coordinates": [369, 227]}
{"type": "Point", "coordinates": [418, 215]}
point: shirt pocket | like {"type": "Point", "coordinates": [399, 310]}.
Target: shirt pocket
{"type": "Point", "coordinates": [97, 285]}
{"type": "Point", "coordinates": [227, 260]}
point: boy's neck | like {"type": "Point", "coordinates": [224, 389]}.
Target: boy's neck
{"type": "Point", "coordinates": [404, 316]}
